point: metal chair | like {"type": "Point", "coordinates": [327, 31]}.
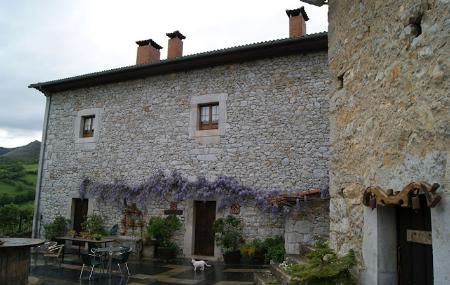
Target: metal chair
{"type": "Point", "coordinates": [54, 252]}
{"type": "Point", "coordinates": [42, 249]}
{"type": "Point", "coordinates": [91, 260]}
{"type": "Point", "coordinates": [122, 258]}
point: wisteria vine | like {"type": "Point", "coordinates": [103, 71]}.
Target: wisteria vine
{"type": "Point", "coordinates": [174, 187]}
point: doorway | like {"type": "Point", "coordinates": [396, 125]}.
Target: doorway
{"type": "Point", "coordinates": [205, 215]}
{"type": "Point", "coordinates": [414, 249]}
{"type": "Point", "coordinates": [80, 211]}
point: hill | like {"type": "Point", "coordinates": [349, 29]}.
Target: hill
{"type": "Point", "coordinates": [28, 154]}
{"type": "Point", "coordinates": [4, 150]}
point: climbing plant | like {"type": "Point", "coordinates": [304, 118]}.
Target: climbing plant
{"type": "Point", "coordinates": [175, 188]}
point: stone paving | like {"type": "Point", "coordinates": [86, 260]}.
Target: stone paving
{"type": "Point", "coordinates": [145, 272]}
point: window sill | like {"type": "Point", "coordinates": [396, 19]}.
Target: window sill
{"type": "Point", "coordinates": [207, 136]}
{"type": "Point", "coordinates": [207, 133]}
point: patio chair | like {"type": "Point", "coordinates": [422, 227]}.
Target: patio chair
{"type": "Point", "coordinates": [42, 249]}
{"type": "Point", "coordinates": [122, 258]}
{"type": "Point", "coordinates": [91, 260]}
{"type": "Point", "coordinates": [54, 252]}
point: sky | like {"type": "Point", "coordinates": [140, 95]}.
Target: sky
{"type": "Point", "coordinates": [51, 39]}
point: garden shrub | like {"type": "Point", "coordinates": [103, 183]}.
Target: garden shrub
{"type": "Point", "coordinates": [94, 225]}
{"type": "Point", "coordinates": [228, 234]}
{"type": "Point", "coordinates": [162, 229]}
{"type": "Point", "coordinates": [323, 266]}
{"type": "Point", "coordinates": [58, 227]}
{"type": "Point", "coordinates": [275, 249]}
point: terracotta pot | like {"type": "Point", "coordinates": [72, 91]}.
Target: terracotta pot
{"type": "Point", "coordinates": [233, 257]}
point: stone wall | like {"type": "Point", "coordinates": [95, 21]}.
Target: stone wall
{"type": "Point", "coordinates": [275, 135]}
{"type": "Point", "coordinates": [389, 108]}
{"type": "Point", "coordinates": [307, 225]}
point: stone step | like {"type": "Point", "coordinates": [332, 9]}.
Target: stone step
{"type": "Point", "coordinates": [283, 278]}
{"type": "Point", "coordinates": [265, 278]}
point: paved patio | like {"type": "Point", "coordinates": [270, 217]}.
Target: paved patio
{"type": "Point", "coordinates": [144, 272]}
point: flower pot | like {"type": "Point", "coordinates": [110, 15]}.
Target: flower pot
{"type": "Point", "coordinates": [165, 253]}
{"type": "Point", "coordinates": [232, 257]}
{"type": "Point", "coordinates": [148, 251]}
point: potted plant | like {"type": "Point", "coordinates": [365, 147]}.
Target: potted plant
{"type": "Point", "coordinates": [58, 227]}
{"type": "Point", "coordinates": [94, 225]}
{"type": "Point", "coordinates": [275, 249]}
{"type": "Point", "coordinates": [228, 234]}
{"type": "Point", "coordinates": [254, 252]}
{"type": "Point", "coordinates": [72, 233]}
{"type": "Point", "coordinates": [161, 229]}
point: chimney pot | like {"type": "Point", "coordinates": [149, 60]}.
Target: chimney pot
{"type": "Point", "coordinates": [297, 24]}
{"type": "Point", "coordinates": [147, 51]}
{"type": "Point", "coordinates": [175, 48]}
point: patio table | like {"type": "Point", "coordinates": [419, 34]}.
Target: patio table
{"type": "Point", "coordinates": [15, 260]}
{"type": "Point", "coordinates": [110, 251]}
{"type": "Point", "coordinates": [89, 241]}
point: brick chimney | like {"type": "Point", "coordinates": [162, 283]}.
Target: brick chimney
{"type": "Point", "coordinates": [175, 48]}
{"type": "Point", "coordinates": [147, 51]}
{"type": "Point", "coordinates": [297, 25]}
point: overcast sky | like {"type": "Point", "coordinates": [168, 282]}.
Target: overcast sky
{"type": "Point", "coordinates": [45, 40]}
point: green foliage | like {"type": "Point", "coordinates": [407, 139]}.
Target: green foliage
{"type": "Point", "coordinates": [16, 186]}
{"type": "Point", "coordinates": [94, 225]}
{"type": "Point", "coordinates": [228, 233]}
{"type": "Point", "coordinates": [324, 267]}
{"type": "Point", "coordinates": [10, 170]}
{"type": "Point", "coordinates": [253, 247]}
{"type": "Point", "coordinates": [16, 220]}
{"type": "Point", "coordinates": [162, 229]}
{"type": "Point", "coordinates": [56, 228]}
{"type": "Point", "coordinates": [275, 248]}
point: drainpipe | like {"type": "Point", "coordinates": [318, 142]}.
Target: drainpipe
{"type": "Point", "coordinates": [37, 199]}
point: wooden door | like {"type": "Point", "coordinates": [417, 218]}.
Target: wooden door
{"type": "Point", "coordinates": [79, 213]}
{"type": "Point", "coordinates": [205, 215]}
{"type": "Point", "coordinates": [414, 252]}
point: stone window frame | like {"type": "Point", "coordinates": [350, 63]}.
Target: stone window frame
{"type": "Point", "coordinates": [78, 129]}
{"type": "Point", "coordinates": [194, 123]}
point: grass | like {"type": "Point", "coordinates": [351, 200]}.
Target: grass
{"type": "Point", "coordinates": [8, 189]}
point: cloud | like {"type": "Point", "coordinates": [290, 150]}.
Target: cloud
{"type": "Point", "coordinates": [45, 40]}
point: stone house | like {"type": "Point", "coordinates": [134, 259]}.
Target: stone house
{"type": "Point", "coordinates": [389, 125]}
{"type": "Point", "coordinates": [257, 113]}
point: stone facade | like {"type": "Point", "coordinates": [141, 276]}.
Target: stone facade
{"type": "Point", "coordinates": [307, 225]}
{"type": "Point", "coordinates": [275, 134]}
{"type": "Point", "coordinates": [389, 109]}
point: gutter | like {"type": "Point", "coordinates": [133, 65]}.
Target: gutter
{"type": "Point", "coordinates": [36, 230]}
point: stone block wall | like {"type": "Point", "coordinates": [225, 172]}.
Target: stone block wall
{"type": "Point", "coordinates": [306, 225]}
{"type": "Point", "coordinates": [275, 135]}
{"type": "Point", "coordinates": [389, 112]}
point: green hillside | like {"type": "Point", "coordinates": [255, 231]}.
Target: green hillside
{"type": "Point", "coordinates": [28, 154]}
{"type": "Point", "coordinates": [18, 173]}
{"type": "Point", "coordinates": [4, 150]}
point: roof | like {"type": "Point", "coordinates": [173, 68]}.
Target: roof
{"type": "Point", "coordinates": [282, 47]}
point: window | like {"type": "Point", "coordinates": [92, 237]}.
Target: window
{"type": "Point", "coordinates": [88, 126]}
{"type": "Point", "coordinates": [209, 116]}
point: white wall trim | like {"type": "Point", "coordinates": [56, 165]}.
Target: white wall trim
{"type": "Point", "coordinates": [221, 98]}
{"type": "Point", "coordinates": [79, 139]}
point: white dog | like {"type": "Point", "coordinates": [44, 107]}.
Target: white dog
{"type": "Point", "coordinates": [199, 264]}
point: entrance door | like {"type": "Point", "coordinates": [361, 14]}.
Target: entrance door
{"type": "Point", "coordinates": [80, 207]}
{"type": "Point", "coordinates": [205, 215]}
{"type": "Point", "coordinates": [414, 252]}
